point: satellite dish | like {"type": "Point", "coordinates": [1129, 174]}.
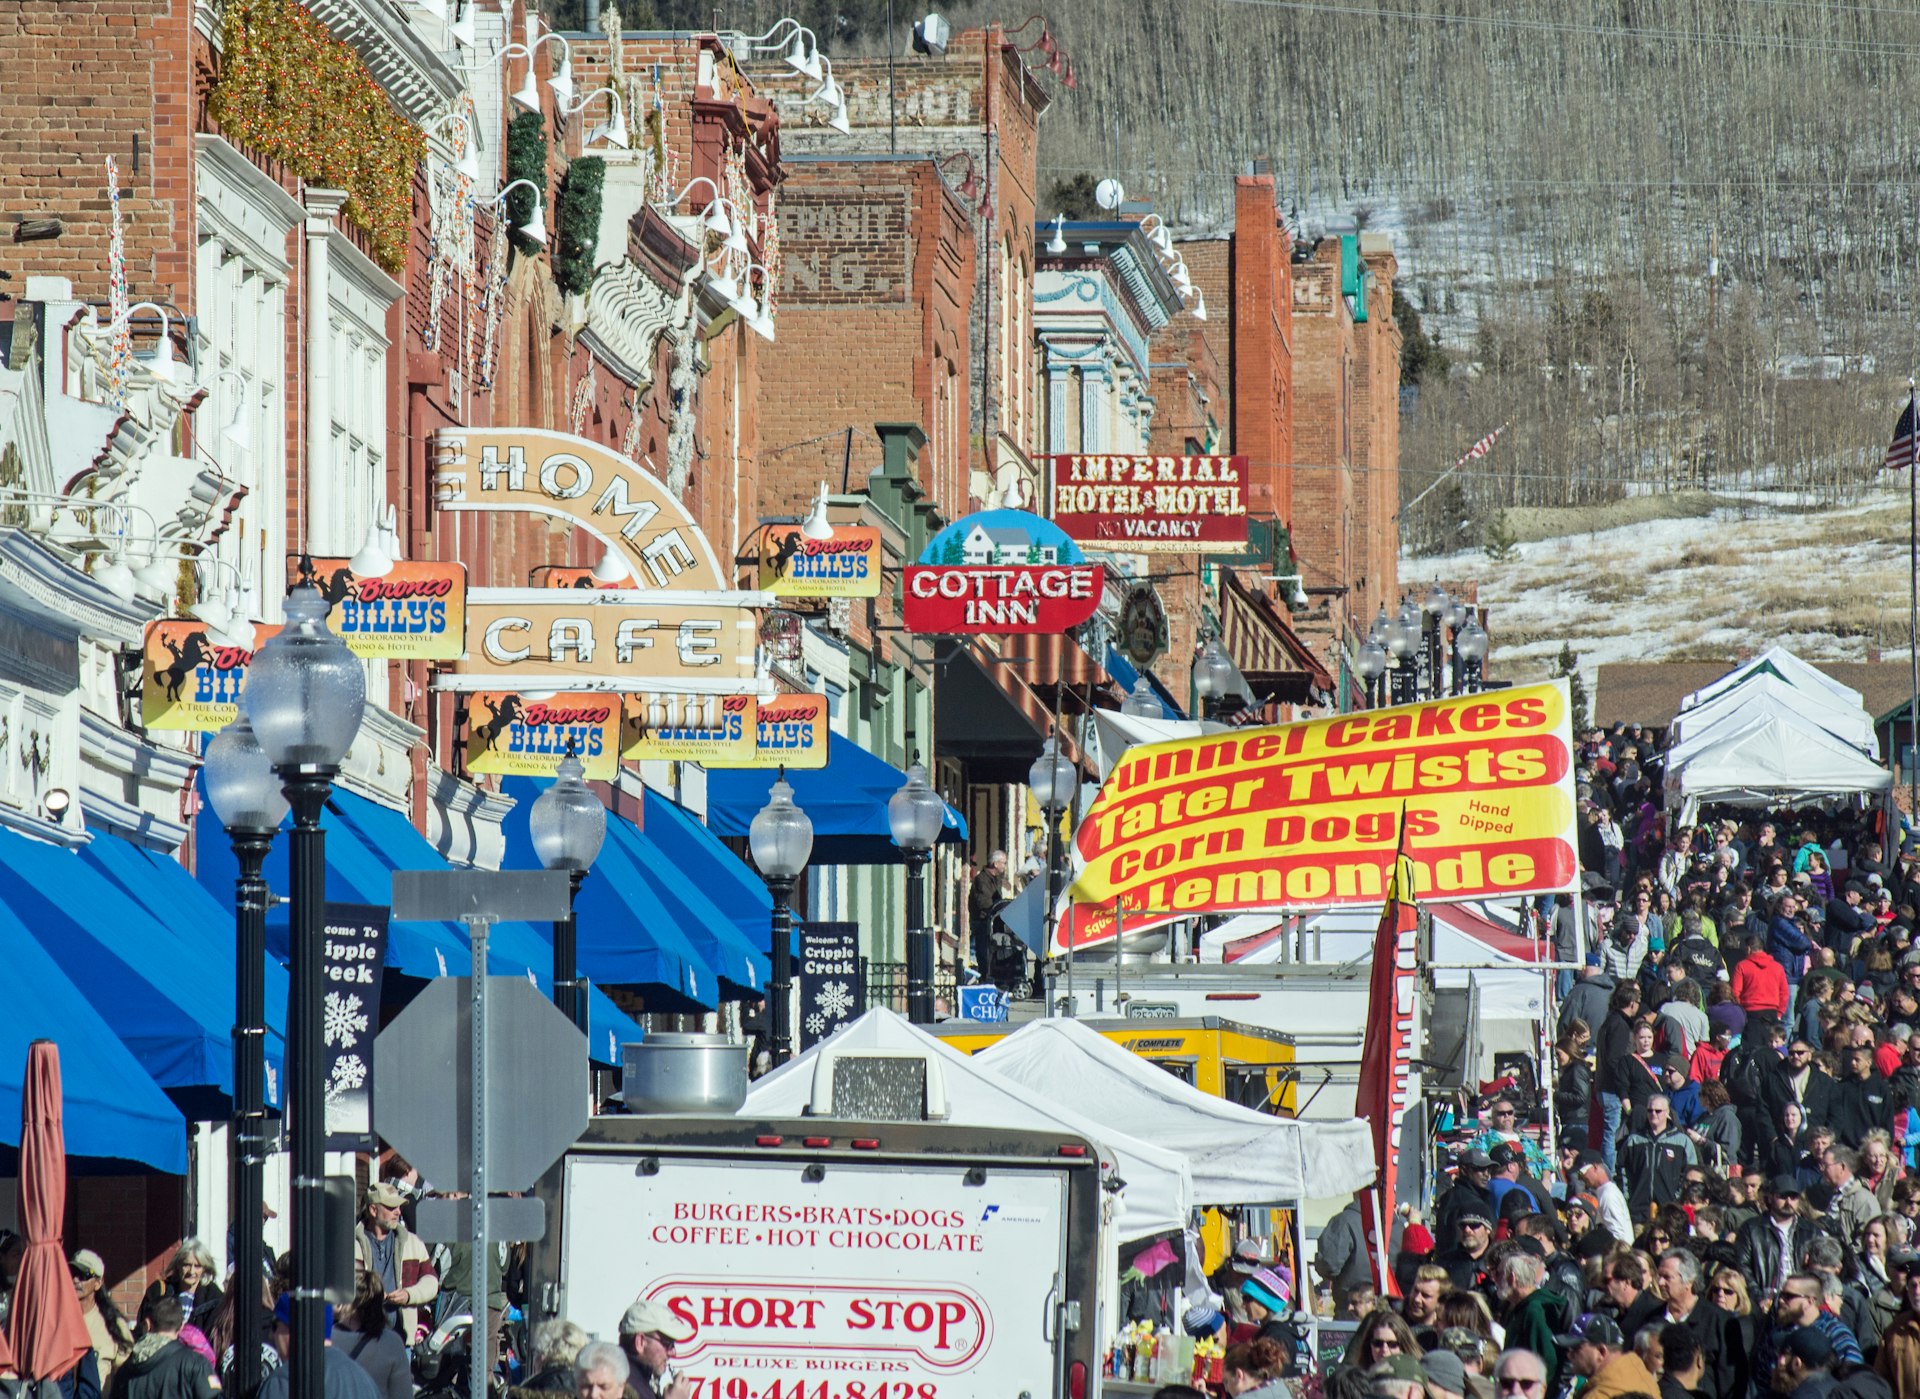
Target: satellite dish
{"type": "Point", "coordinates": [1108, 193]}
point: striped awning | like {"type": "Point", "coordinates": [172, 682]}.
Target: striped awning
{"type": "Point", "coordinates": [1058, 667]}
{"type": "Point", "coordinates": [1276, 662]}
{"type": "Point", "coordinates": [988, 716]}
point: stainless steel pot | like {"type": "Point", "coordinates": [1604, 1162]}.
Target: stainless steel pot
{"type": "Point", "coordinates": [684, 1073]}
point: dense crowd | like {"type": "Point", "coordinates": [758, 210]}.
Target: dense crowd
{"type": "Point", "coordinates": [1735, 1205]}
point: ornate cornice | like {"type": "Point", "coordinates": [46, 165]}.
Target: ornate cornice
{"type": "Point", "coordinates": [243, 207]}
{"type": "Point", "coordinates": [117, 754]}
{"type": "Point", "coordinates": [627, 313]}
{"type": "Point", "coordinates": [54, 595]}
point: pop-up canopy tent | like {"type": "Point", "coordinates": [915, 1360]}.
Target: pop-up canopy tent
{"type": "Point", "coordinates": [1158, 1195]}
{"type": "Point", "coordinates": [1782, 664]}
{"type": "Point", "coordinates": [1764, 694]}
{"type": "Point", "coordinates": [1774, 761]}
{"type": "Point", "coordinates": [1237, 1156]}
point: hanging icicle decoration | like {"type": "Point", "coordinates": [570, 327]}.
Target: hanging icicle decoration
{"type": "Point", "coordinates": [492, 302]}
{"type": "Point", "coordinates": [120, 349]}
{"type": "Point", "coordinates": [630, 438]}
{"type": "Point", "coordinates": [582, 399]}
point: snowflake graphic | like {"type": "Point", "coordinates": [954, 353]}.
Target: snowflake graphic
{"type": "Point", "coordinates": [816, 1023]}
{"type": "Point", "coordinates": [343, 1020]}
{"type": "Point", "coordinates": [349, 1073]}
{"type": "Point", "coordinates": [836, 1000]}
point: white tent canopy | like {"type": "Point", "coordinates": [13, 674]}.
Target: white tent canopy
{"type": "Point", "coordinates": [1735, 727]}
{"type": "Point", "coordinates": [1779, 661]}
{"type": "Point", "coordinates": [1763, 694]}
{"type": "Point", "coordinates": [1237, 1156]}
{"type": "Point", "coordinates": [1158, 1196]}
{"type": "Point", "coordinates": [1774, 761]}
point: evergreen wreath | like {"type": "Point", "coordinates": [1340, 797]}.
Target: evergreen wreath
{"type": "Point", "coordinates": [576, 224]}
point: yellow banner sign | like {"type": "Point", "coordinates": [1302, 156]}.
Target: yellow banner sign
{"type": "Point", "coordinates": [553, 473]}
{"type": "Point", "coordinates": [847, 565]}
{"type": "Point", "coordinates": [186, 681]}
{"type": "Point", "coordinates": [1308, 815]}
{"type": "Point", "coordinates": [717, 730]}
{"type": "Point", "coordinates": [416, 612]}
{"type": "Point", "coordinates": [519, 737]}
{"type": "Point", "coordinates": [626, 640]}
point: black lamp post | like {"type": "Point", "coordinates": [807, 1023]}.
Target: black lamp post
{"type": "Point", "coordinates": [248, 801]}
{"type": "Point", "coordinates": [916, 814]}
{"type": "Point", "coordinates": [1054, 782]}
{"type": "Point", "coordinates": [306, 694]}
{"type": "Point", "coordinates": [1370, 663]}
{"type": "Point", "coordinates": [781, 838]}
{"type": "Point", "coordinates": [1472, 645]}
{"type": "Point", "coordinates": [568, 825]}
{"type": "Point", "coordinates": [1213, 677]}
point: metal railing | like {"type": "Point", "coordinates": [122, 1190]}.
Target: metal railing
{"type": "Point", "coordinates": [886, 985]}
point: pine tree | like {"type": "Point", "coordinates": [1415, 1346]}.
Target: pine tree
{"type": "Point", "coordinates": [1501, 545]}
{"type": "Point", "coordinates": [1567, 664]}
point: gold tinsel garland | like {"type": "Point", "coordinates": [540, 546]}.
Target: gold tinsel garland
{"type": "Point", "coordinates": [291, 91]}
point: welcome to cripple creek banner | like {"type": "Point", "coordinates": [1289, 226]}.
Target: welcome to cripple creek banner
{"type": "Point", "coordinates": [1308, 815]}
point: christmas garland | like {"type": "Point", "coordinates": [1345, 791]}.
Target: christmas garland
{"type": "Point", "coordinates": [576, 224]}
{"type": "Point", "coordinates": [526, 160]}
{"type": "Point", "coordinates": [291, 91]}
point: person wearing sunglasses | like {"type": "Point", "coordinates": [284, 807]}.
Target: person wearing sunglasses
{"type": "Point", "coordinates": [1770, 1246]}
{"type": "Point", "coordinates": [1597, 1352]}
{"type": "Point", "coordinates": [648, 1334]}
{"type": "Point", "coordinates": [1519, 1374]}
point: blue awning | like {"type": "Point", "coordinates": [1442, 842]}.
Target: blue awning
{"type": "Point", "coordinates": [625, 933]}
{"type": "Point", "coordinates": [366, 843]}
{"type": "Point", "coordinates": [160, 884]}
{"type": "Point", "coordinates": [687, 885]}
{"type": "Point", "coordinates": [1124, 672]}
{"type": "Point", "coordinates": [734, 888]}
{"type": "Point", "coordinates": [111, 1107]}
{"type": "Point", "coordinates": [151, 984]}
{"type": "Point", "coordinates": [514, 949]}
{"type": "Point", "coordinates": [846, 800]}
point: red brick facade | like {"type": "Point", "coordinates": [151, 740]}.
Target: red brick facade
{"type": "Point", "coordinates": [875, 296]}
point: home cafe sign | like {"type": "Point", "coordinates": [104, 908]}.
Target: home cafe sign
{"type": "Point", "coordinates": [675, 627]}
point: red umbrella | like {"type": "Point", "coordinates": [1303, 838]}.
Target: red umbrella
{"type": "Point", "coordinates": [47, 1332]}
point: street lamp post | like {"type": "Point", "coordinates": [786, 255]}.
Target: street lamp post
{"type": "Point", "coordinates": [305, 695]}
{"type": "Point", "coordinates": [1213, 677]}
{"type": "Point", "coordinates": [1400, 641]}
{"type": "Point", "coordinates": [1054, 782]}
{"type": "Point", "coordinates": [916, 814]}
{"type": "Point", "coordinates": [250, 806]}
{"type": "Point", "coordinates": [1141, 702]}
{"type": "Point", "coordinates": [1435, 606]}
{"type": "Point", "coordinates": [1472, 645]}
{"type": "Point", "coordinates": [1370, 663]}
{"type": "Point", "coordinates": [781, 838]}
{"type": "Point", "coordinates": [568, 825]}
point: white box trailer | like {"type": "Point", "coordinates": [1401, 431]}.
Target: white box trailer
{"type": "Point", "coordinates": [825, 1259]}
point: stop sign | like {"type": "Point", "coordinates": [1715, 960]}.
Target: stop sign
{"type": "Point", "coordinates": [536, 1078]}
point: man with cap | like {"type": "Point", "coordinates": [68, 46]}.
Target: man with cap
{"type": "Point", "coordinates": [1597, 1352]}
{"type": "Point", "coordinates": [1802, 1369]}
{"type": "Point", "coordinates": [1446, 1376]}
{"type": "Point", "coordinates": [1613, 1216]}
{"type": "Point", "coordinates": [385, 1247]}
{"type": "Point", "coordinates": [648, 1334]}
{"type": "Point", "coordinates": [1399, 1377]}
{"type": "Point", "coordinates": [1770, 1246]}
{"type": "Point", "coordinates": [1898, 1359]}
{"type": "Point", "coordinates": [1466, 1262]}
{"type": "Point", "coordinates": [1469, 1192]}
{"type": "Point", "coordinates": [344, 1377]}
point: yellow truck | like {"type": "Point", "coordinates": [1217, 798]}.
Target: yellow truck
{"type": "Point", "coordinates": [1244, 1064]}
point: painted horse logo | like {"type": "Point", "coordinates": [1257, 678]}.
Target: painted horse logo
{"type": "Point", "coordinates": [788, 546]}
{"type": "Point", "coordinates": [186, 659]}
{"type": "Point", "coordinates": [505, 713]}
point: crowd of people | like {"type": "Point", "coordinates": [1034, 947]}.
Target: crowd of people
{"type": "Point", "coordinates": [1733, 1207]}
{"type": "Point", "coordinates": [390, 1342]}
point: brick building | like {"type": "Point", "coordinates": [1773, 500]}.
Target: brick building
{"type": "Point", "coordinates": [977, 110]}
{"type": "Point", "coordinates": [876, 299]}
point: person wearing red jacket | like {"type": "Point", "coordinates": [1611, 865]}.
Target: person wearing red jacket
{"type": "Point", "coordinates": [1760, 982]}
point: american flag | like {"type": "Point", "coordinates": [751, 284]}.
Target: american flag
{"type": "Point", "coordinates": [1900, 452]}
{"type": "Point", "coordinates": [1485, 445]}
